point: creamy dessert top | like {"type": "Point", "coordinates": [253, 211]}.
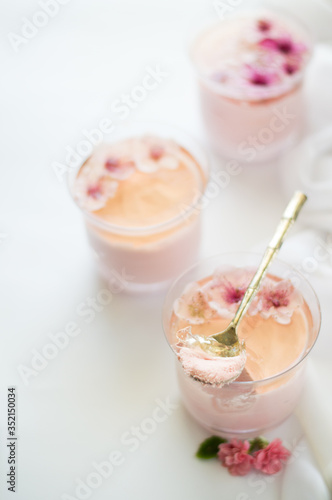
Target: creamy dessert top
{"type": "Point", "coordinates": [252, 55]}
{"type": "Point", "coordinates": [138, 182]}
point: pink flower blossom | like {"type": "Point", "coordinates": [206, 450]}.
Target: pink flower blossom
{"type": "Point", "coordinates": [261, 76]}
{"type": "Point", "coordinates": [226, 290]}
{"type": "Point", "coordinates": [271, 458]}
{"type": "Point", "coordinates": [119, 168]}
{"type": "Point", "coordinates": [152, 153]}
{"type": "Point", "coordinates": [193, 305]}
{"type": "Point", "coordinates": [234, 455]}
{"type": "Point", "coordinates": [264, 25]}
{"type": "Point", "coordinates": [93, 193]}
{"type": "Point", "coordinates": [291, 68]}
{"type": "Point", "coordinates": [283, 44]}
{"type": "Point", "coordinates": [279, 299]}
{"type": "Point", "coordinates": [156, 152]}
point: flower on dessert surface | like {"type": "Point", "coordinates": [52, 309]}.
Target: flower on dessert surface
{"type": "Point", "coordinates": [235, 457]}
{"type": "Point", "coordinates": [152, 153]}
{"type": "Point", "coordinates": [283, 44]}
{"type": "Point", "coordinates": [271, 458]}
{"type": "Point", "coordinates": [226, 290]}
{"type": "Point", "coordinates": [292, 66]}
{"type": "Point", "coordinates": [119, 168]}
{"type": "Point", "coordinates": [279, 300]}
{"type": "Point", "coordinates": [261, 75]}
{"type": "Point", "coordinates": [264, 25]}
{"type": "Point", "coordinates": [193, 305]}
{"type": "Point", "coordinates": [92, 192]}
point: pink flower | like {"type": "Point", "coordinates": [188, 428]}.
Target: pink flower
{"type": "Point", "coordinates": [152, 153]}
{"type": "Point", "coordinates": [156, 152]}
{"type": "Point", "coordinates": [92, 193]}
{"type": "Point", "coordinates": [264, 25]}
{"type": "Point", "coordinates": [271, 458]}
{"type": "Point", "coordinates": [290, 68]}
{"type": "Point", "coordinates": [234, 455]}
{"type": "Point", "coordinates": [284, 44]}
{"type": "Point", "coordinates": [193, 305]}
{"type": "Point", "coordinates": [261, 76]}
{"type": "Point", "coordinates": [227, 289]}
{"type": "Point", "coordinates": [279, 299]}
{"type": "Point", "coordinates": [119, 168]}
{"type": "Point", "coordinates": [95, 191]}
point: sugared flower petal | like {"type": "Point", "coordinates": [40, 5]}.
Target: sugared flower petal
{"type": "Point", "coordinates": [279, 300]}
{"type": "Point", "coordinates": [93, 195]}
{"type": "Point", "coordinates": [193, 305]}
{"type": "Point", "coordinates": [226, 290]}
{"type": "Point", "coordinates": [264, 25]}
{"type": "Point", "coordinates": [261, 76]}
{"type": "Point", "coordinates": [152, 153]}
{"type": "Point", "coordinates": [119, 168]}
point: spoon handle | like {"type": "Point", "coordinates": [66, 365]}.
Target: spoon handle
{"type": "Point", "coordinates": [289, 216]}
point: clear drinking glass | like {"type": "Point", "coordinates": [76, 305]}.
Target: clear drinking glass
{"type": "Point", "coordinates": [150, 256]}
{"type": "Point", "coordinates": [244, 408]}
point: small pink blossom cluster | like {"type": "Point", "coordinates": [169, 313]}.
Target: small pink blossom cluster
{"type": "Point", "coordinates": [240, 457]}
{"type": "Point", "coordinates": [236, 457]}
{"type": "Point", "coordinates": [278, 50]}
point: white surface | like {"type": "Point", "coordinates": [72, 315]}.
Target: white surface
{"type": "Point", "coordinates": [76, 410]}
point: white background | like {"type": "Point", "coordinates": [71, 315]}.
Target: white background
{"type": "Point", "coordinates": [75, 411]}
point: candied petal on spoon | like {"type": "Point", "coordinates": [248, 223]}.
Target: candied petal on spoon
{"type": "Point", "coordinates": [208, 361]}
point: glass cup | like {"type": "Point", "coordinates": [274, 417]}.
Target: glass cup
{"type": "Point", "coordinates": [243, 408]}
{"type": "Point", "coordinates": [250, 124]}
{"type": "Point", "coordinates": [149, 257]}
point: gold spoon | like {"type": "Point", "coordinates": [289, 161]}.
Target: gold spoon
{"type": "Point", "coordinates": [226, 343]}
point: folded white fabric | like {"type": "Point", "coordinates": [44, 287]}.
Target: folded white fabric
{"type": "Point", "coordinates": [301, 478]}
{"type": "Point", "coordinates": [315, 415]}
{"type": "Point", "coordinates": [308, 167]}
{"type": "Point", "coordinates": [310, 251]}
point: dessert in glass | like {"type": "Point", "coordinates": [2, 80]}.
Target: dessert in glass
{"type": "Point", "coordinates": [138, 195]}
{"type": "Point", "coordinates": [250, 70]}
{"type": "Point", "coordinates": [242, 395]}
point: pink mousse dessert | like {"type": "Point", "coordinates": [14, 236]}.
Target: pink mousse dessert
{"type": "Point", "coordinates": [258, 385]}
{"type": "Point", "coordinates": [250, 70]}
{"type": "Point", "coordinates": [138, 199]}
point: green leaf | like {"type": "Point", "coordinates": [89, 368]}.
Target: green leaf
{"type": "Point", "coordinates": [209, 448]}
{"type": "Point", "coordinates": [257, 444]}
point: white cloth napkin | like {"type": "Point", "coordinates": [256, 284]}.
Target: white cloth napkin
{"type": "Point", "coordinates": [315, 415]}
{"type": "Point", "coordinates": [310, 251]}
{"type": "Point", "coordinates": [302, 480]}
{"type": "Point", "coordinates": [308, 168]}
{"type": "Point", "coordinates": [307, 477]}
